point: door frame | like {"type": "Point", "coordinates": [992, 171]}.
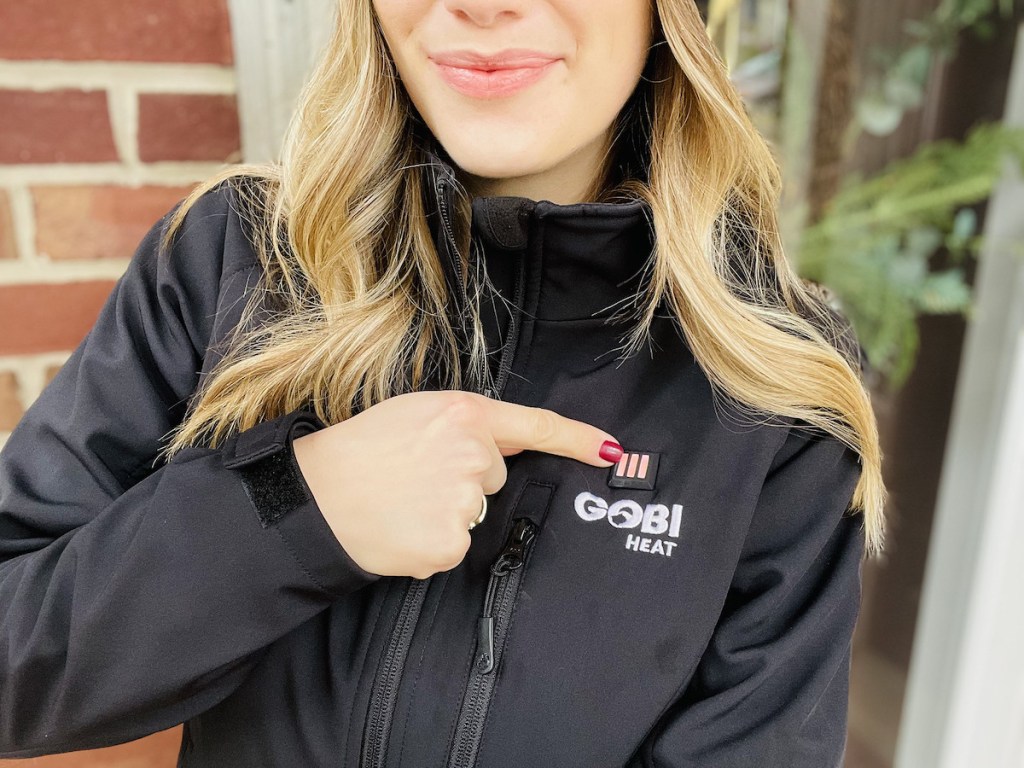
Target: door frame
{"type": "Point", "coordinates": [276, 43]}
{"type": "Point", "coordinates": [965, 691]}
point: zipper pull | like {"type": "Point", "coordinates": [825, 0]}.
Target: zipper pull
{"type": "Point", "coordinates": [511, 557]}
{"type": "Point", "coordinates": [485, 644]}
{"type": "Point", "coordinates": [514, 553]}
{"type": "Point", "coordinates": [488, 392]}
{"type": "Point", "coordinates": [485, 631]}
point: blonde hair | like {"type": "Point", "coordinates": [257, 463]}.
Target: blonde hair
{"type": "Point", "coordinates": [359, 295]}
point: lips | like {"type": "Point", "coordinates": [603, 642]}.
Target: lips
{"type": "Point", "coordinates": [492, 76]}
{"type": "Point", "coordinates": [511, 58]}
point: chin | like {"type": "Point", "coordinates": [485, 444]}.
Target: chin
{"type": "Point", "coordinates": [490, 160]}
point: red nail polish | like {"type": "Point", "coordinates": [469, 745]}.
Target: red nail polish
{"type": "Point", "coordinates": [610, 451]}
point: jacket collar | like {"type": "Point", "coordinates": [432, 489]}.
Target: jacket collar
{"type": "Point", "coordinates": [578, 261]}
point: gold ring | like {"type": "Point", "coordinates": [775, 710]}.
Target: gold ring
{"type": "Point", "coordinates": [480, 518]}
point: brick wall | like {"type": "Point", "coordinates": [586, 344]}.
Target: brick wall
{"type": "Point", "coordinates": [110, 110]}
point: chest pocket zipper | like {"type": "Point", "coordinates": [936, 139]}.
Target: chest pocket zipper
{"type": "Point", "coordinates": [503, 585]}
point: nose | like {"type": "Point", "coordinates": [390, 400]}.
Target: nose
{"type": "Point", "coordinates": [486, 13]}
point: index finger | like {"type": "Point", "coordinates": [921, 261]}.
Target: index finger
{"type": "Point", "coordinates": [522, 427]}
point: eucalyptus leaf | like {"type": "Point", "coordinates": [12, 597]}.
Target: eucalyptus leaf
{"type": "Point", "coordinates": [944, 293]}
{"type": "Point", "coordinates": [908, 271]}
{"type": "Point", "coordinates": [965, 224]}
{"type": "Point", "coordinates": [903, 92]}
{"type": "Point", "coordinates": [917, 28]}
{"type": "Point", "coordinates": [915, 63]}
{"type": "Point", "coordinates": [878, 116]}
{"type": "Point", "coordinates": [924, 241]}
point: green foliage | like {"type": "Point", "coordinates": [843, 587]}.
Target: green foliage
{"type": "Point", "coordinates": [897, 80]}
{"type": "Point", "coordinates": [873, 246]}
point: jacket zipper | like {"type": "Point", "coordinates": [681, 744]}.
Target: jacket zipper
{"type": "Point", "coordinates": [509, 348]}
{"type": "Point", "coordinates": [502, 587]}
{"type": "Point", "coordinates": [389, 674]}
{"type": "Point", "coordinates": [447, 226]}
{"type": "Point", "coordinates": [505, 366]}
{"type": "Point", "coordinates": [492, 629]}
{"type": "Point", "coordinates": [385, 688]}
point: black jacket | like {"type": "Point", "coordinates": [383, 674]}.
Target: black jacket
{"type": "Point", "coordinates": [699, 613]}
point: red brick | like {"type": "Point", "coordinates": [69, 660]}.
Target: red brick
{"type": "Point", "coordinates": [159, 750]}
{"type": "Point", "coordinates": [65, 126]}
{"type": "Point", "coordinates": [11, 408]}
{"type": "Point", "coordinates": [48, 318]}
{"type": "Point", "coordinates": [188, 127]}
{"type": "Point", "coordinates": [117, 30]}
{"type": "Point", "coordinates": [7, 247]}
{"type": "Point", "coordinates": [105, 222]}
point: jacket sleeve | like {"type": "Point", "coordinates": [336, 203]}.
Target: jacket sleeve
{"type": "Point", "coordinates": [134, 597]}
{"type": "Point", "coordinates": [771, 688]}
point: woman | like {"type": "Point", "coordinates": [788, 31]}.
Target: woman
{"type": "Point", "coordinates": [245, 502]}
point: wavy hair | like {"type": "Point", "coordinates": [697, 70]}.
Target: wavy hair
{"type": "Point", "coordinates": [359, 309]}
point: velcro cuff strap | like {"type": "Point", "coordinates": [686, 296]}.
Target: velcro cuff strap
{"type": "Point", "coordinates": [274, 486]}
{"type": "Point", "coordinates": [264, 459]}
{"type": "Point", "coordinates": [267, 438]}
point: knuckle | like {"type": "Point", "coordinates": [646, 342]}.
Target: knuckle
{"type": "Point", "coordinates": [438, 559]}
{"type": "Point", "coordinates": [476, 458]}
{"type": "Point", "coordinates": [496, 481]}
{"type": "Point", "coordinates": [446, 557]}
{"type": "Point", "coordinates": [463, 407]}
{"type": "Point", "coordinates": [545, 426]}
{"type": "Point", "coordinates": [457, 552]}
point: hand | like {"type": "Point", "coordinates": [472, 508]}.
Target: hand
{"type": "Point", "coordinates": [400, 482]}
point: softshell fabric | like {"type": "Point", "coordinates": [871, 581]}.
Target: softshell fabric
{"type": "Point", "coordinates": [702, 621]}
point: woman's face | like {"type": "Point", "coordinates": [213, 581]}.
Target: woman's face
{"type": "Point", "coordinates": [548, 108]}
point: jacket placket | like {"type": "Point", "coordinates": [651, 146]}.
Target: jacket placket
{"type": "Point", "coordinates": [506, 575]}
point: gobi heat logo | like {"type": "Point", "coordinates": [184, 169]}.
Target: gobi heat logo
{"type": "Point", "coordinates": [653, 519]}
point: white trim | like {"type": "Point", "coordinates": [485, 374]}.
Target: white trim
{"type": "Point", "coordinates": [164, 174]}
{"type": "Point", "coordinates": [965, 696]}
{"type": "Point", "coordinates": [43, 271]}
{"type": "Point", "coordinates": [276, 43]}
{"type": "Point", "coordinates": [93, 75]}
{"type": "Point", "coordinates": [123, 105]}
{"type": "Point", "coordinates": [24, 219]}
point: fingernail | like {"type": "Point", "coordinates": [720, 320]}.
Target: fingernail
{"type": "Point", "coordinates": [610, 451]}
